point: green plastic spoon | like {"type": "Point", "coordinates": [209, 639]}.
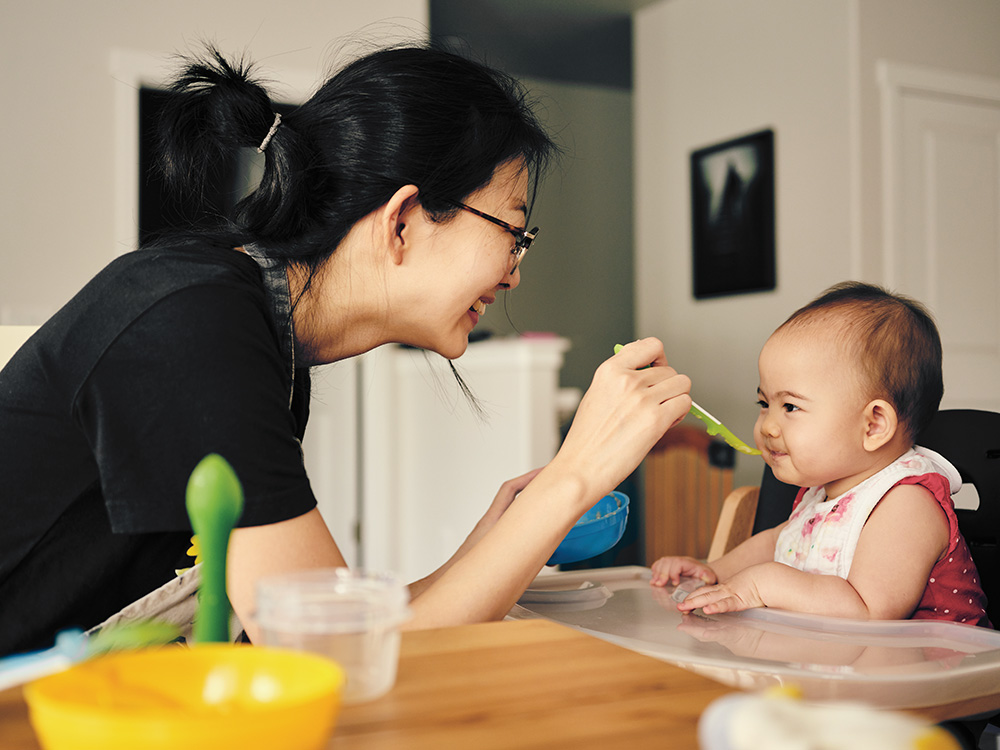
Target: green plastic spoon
{"type": "Point", "coordinates": [714, 427]}
{"type": "Point", "coordinates": [214, 504]}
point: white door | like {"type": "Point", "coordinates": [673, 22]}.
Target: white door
{"type": "Point", "coordinates": [942, 188]}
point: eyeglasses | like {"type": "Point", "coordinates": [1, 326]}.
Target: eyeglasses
{"type": "Point", "coordinates": [522, 237]}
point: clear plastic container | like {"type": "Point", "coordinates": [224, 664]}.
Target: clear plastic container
{"type": "Point", "coordinates": [350, 616]}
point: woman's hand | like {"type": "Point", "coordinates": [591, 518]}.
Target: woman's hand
{"type": "Point", "coordinates": [633, 399]}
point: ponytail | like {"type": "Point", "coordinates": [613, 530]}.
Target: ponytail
{"type": "Point", "coordinates": [213, 108]}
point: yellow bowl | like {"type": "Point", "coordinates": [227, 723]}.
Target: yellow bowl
{"type": "Point", "coordinates": [210, 696]}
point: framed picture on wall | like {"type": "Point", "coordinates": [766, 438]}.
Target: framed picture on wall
{"type": "Point", "coordinates": [732, 206]}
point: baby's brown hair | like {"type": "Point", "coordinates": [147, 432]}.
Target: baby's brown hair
{"type": "Point", "coordinates": [896, 342]}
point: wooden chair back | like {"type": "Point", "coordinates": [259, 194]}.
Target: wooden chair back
{"type": "Point", "coordinates": [686, 477]}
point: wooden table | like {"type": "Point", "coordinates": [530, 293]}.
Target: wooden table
{"type": "Point", "coordinates": [528, 684]}
{"type": "Point", "coordinates": [504, 685]}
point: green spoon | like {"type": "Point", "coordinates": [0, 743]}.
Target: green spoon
{"type": "Point", "coordinates": [714, 427]}
{"type": "Point", "coordinates": [214, 504]}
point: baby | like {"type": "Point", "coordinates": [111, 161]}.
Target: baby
{"type": "Point", "coordinates": [846, 384]}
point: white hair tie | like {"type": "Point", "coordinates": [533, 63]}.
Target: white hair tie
{"type": "Point", "coordinates": [270, 133]}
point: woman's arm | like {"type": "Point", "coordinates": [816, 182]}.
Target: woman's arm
{"type": "Point", "coordinates": [508, 491]}
{"type": "Point", "coordinates": [300, 543]}
{"type": "Point", "coordinates": [489, 580]}
{"type": "Point", "coordinates": [622, 415]}
{"type": "Point", "coordinates": [486, 581]}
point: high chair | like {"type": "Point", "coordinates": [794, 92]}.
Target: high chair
{"type": "Point", "coordinates": [11, 339]}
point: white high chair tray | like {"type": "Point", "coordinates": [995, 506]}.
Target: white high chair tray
{"type": "Point", "coordinates": [890, 664]}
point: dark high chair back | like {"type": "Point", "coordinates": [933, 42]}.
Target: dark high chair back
{"type": "Point", "coordinates": [970, 439]}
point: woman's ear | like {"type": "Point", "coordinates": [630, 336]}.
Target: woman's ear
{"type": "Point", "coordinates": [393, 218]}
{"type": "Point", "coordinates": [881, 424]}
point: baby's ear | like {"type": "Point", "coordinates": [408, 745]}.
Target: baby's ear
{"type": "Point", "coordinates": [881, 424]}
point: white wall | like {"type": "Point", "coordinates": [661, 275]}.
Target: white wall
{"type": "Point", "coordinates": [577, 279]}
{"type": "Point", "coordinates": [57, 218]}
{"type": "Point", "coordinates": [708, 71]}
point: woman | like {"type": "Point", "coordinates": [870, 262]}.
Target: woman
{"type": "Point", "coordinates": [392, 208]}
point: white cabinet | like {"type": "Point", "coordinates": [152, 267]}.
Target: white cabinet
{"type": "Point", "coordinates": [425, 464]}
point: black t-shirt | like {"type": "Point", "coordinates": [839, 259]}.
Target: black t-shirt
{"type": "Point", "coordinates": [166, 356]}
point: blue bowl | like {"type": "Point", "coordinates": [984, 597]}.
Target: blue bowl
{"type": "Point", "coordinates": [597, 531]}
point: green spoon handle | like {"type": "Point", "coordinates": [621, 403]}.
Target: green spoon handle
{"type": "Point", "coordinates": [713, 426]}
{"type": "Point", "coordinates": [214, 504]}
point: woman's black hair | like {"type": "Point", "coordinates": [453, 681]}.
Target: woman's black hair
{"type": "Point", "coordinates": [408, 115]}
{"type": "Point", "coordinates": [399, 116]}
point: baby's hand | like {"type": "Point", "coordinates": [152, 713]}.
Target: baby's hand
{"type": "Point", "coordinates": [672, 569]}
{"type": "Point", "coordinates": [735, 595]}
